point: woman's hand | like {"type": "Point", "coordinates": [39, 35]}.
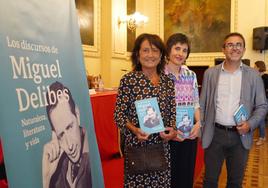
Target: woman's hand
{"type": "Point", "coordinates": [195, 130]}
{"type": "Point", "coordinates": [141, 135]}
{"type": "Point", "coordinates": [168, 134]}
{"type": "Point", "coordinates": [179, 136]}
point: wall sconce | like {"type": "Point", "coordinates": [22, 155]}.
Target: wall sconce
{"type": "Point", "coordinates": [133, 21]}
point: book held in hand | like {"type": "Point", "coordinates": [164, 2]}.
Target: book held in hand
{"type": "Point", "coordinates": [241, 114]}
{"type": "Point", "coordinates": [185, 119]}
{"type": "Point", "coordinates": [149, 115]}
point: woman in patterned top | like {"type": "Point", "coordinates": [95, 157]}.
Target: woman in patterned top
{"type": "Point", "coordinates": [147, 80]}
{"type": "Point", "coordinates": [183, 151]}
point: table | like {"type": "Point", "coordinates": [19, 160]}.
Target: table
{"type": "Point", "coordinates": [103, 105]}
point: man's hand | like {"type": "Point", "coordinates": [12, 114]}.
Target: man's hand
{"type": "Point", "coordinates": [243, 128]}
{"type": "Point", "coordinates": [51, 156]}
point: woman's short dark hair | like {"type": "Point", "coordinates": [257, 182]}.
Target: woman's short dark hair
{"type": "Point", "coordinates": [261, 66]}
{"type": "Point", "coordinates": [178, 38]}
{"type": "Point", "coordinates": [153, 40]}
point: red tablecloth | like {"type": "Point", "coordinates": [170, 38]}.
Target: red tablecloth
{"type": "Point", "coordinates": [103, 105]}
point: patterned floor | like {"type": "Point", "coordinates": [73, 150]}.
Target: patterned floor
{"type": "Point", "coordinates": [256, 174]}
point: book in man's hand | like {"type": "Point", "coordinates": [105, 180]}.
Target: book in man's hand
{"type": "Point", "coordinates": [149, 115]}
{"type": "Point", "coordinates": [185, 119]}
{"type": "Point", "coordinates": [241, 114]}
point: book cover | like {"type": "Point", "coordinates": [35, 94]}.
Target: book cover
{"type": "Point", "coordinates": [185, 119]}
{"type": "Point", "coordinates": [241, 114]}
{"type": "Point", "coordinates": [149, 115]}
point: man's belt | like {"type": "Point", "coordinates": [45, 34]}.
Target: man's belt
{"type": "Point", "coordinates": [227, 128]}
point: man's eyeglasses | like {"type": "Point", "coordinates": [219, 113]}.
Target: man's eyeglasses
{"type": "Point", "coordinates": [230, 46]}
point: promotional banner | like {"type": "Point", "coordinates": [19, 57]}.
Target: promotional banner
{"type": "Point", "coordinates": [46, 122]}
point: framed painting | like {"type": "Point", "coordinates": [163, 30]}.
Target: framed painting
{"type": "Point", "coordinates": [205, 22]}
{"type": "Point", "coordinates": [88, 12]}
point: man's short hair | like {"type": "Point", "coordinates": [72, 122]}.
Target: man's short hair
{"type": "Point", "coordinates": [234, 34]}
{"type": "Point", "coordinates": [54, 87]}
